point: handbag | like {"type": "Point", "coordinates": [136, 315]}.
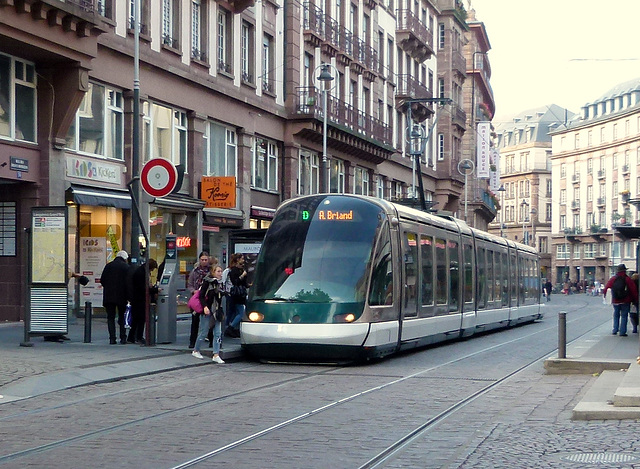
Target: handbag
{"type": "Point", "coordinates": [194, 302]}
{"type": "Point", "coordinates": [238, 291]}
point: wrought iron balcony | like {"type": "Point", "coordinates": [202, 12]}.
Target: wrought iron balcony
{"type": "Point", "coordinates": [413, 35]}
{"type": "Point", "coordinates": [343, 114]}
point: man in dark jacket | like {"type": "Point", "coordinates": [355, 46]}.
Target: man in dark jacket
{"type": "Point", "coordinates": [114, 294]}
{"type": "Point", "coordinates": [138, 298]}
{"type": "Point", "coordinates": [621, 305]}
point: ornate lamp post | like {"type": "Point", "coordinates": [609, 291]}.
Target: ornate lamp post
{"type": "Point", "coordinates": [502, 190]}
{"type": "Point", "coordinates": [466, 167]}
{"type": "Point", "coordinates": [525, 206]}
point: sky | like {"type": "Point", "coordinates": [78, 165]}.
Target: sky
{"type": "Point", "coordinates": [564, 52]}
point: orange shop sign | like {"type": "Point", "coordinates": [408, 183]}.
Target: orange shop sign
{"type": "Point", "coordinates": [218, 192]}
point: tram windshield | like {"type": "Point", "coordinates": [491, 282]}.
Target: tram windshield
{"type": "Point", "coordinates": [318, 250]}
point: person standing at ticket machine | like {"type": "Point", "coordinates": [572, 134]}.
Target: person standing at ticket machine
{"type": "Point", "coordinates": [193, 283]}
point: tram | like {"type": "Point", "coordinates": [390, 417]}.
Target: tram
{"type": "Point", "coordinates": [343, 278]}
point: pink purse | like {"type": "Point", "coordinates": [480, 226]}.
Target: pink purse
{"type": "Point", "coordinates": [194, 302]}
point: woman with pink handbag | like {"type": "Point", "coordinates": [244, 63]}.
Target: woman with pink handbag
{"type": "Point", "coordinates": [210, 297]}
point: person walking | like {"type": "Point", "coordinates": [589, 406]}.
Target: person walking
{"type": "Point", "coordinates": [633, 315]}
{"type": "Point", "coordinates": [138, 299]}
{"type": "Point", "coordinates": [213, 315]}
{"type": "Point", "coordinates": [114, 294]}
{"type": "Point", "coordinates": [193, 283]}
{"type": "Point", "coordinates": [623, 293]}
{"type": "Point", "coordinates": [547, 289]}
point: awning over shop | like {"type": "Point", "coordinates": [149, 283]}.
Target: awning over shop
{"type": "Point", "coordinates": [179, 201]}
{"type": "Point", "coordinates": [99, 197]}
{"type": "Point", "coordinates": [223, 217]}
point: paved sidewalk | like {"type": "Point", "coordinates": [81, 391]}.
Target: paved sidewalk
{"type": "Point", "coordinates": [51, 366]}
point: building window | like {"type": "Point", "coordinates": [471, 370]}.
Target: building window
{"type": "Point", "coordinates": [440, 147]}
{"type": "Point", "coordinates": [265, 164]}
{"type": "Point", "coordinates": [563, 222]}
{"type": "Point", "coordinates": [143, 18]}
{"type": "Point", "coordinates": [336, 177]}
{"type": "Point", "coordinates": [247, 54]}
{"type": "Point", "coordinates": [379, 187]}
{"type": "Point", "coordinates": [361, 181]}
{"type": "Point", "coordinates": [220, 150]}
{"type": "Point", "coordinates": [98, 126]}
{"type": "Point", "coordinates": [309, 177]}
{"type": "Point", "coordinates": [164, 133]}
{"type": "Point", "coordinates": [170, 34]}
{"type": "Point", "coordinates": [198, 31]}
{"type": "Point", "coordinates": [590, 166]}
{"type": "Point", "coordinates": [441, 36]}
{"type": "Point", "coordinates": [548, 212]}
{"type": "Point", "coordinates": [267, 64]}
{"type": "Point", "coordinates": [17, 99]}
{"type": "Point", "coordinates": [563, 170]}
{"type": "Point", "coordinates": [563, 196]}
{"type": "Point", "coordinates": [224, 41]}
{"type": "Point", "coordinates": [589, 193]}
{"type": "Point", "coordinates": [561, 251]}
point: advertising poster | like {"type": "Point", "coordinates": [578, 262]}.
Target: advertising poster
{"type": "Point", "coordinates": [93, 258]}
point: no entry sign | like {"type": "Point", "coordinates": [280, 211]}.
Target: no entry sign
{"type": "Point", "coordinates": [158, 177]}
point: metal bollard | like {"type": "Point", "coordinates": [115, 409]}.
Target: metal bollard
{"type": "Point", "coordinates": [87, 322]}
{"type": "Point", "coordinates": [562, 334]}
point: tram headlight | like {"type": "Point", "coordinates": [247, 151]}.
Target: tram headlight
{"type": "Point", "coordinates": [348, 317]}
{"type": "Point", "coordinates": [255, 316]}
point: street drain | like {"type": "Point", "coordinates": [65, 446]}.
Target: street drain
{"type": "Point", "coordinates": [600, 458]}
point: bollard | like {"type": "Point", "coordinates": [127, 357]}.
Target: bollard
{"type": "Point", "coordinates": [87, 322]}
{"type": "Point", "coordinates": [562, 334]}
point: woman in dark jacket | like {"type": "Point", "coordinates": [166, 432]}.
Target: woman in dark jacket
{"type": "Point", "coordinates": [236, 301]}
{"type": "Point", "coordinates": [211, 300]}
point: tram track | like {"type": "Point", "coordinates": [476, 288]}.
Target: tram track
{"type": "Point", "coordinates": [389, 452]}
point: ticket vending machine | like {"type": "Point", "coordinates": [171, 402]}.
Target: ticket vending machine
{"type": "Point", "coordinates": [167, 306]}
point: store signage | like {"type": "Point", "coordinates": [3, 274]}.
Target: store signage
{"type": "Point", "coordinates": [482, 149]}
{"type": "Point", "coordinates": [183, 241]}
{"type": "Point", "coordinates": [218, 192]}
{"type": "Point", "coordinates": [159, 177]}
{"type": "Point", "coordinates": [94, 170]}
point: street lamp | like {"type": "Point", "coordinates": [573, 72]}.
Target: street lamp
{"type": "Point", "coordinates": [525, 206]}
{"type": "Point", "coordinates": [466, 167]}
{"type": "Point", "coordinates": [325, 77]}
{"type": "Point", "coordinates": [533, 228]}
{"type": "Point", "coordinates": [502, 190]}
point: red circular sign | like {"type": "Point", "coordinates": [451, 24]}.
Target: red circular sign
{"type": "Point", "coordinates": [159, 177]}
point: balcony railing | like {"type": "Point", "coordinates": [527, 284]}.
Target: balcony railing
{"type": "Point", "coordinates": [409, 86]}
{"type": "Point", "coordinates": [601, 201]}
{"type": "Point", "coordinates": [342, 113]}
{"type": "Point", "coordinates": [575, 178]}
{"type": "Point", "coordinates": [409, 22]}
{"type": "Point", "coordinates": [601, 174]}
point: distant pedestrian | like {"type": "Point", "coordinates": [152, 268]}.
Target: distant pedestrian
{"type": "Point", "coordinates": [199, 272]}
{"type": "Point", "coordinates": [547, 290]}
{"type": "Point", "coordinates": [138, 299]}
{"type": "Point", "coordinates": [114, 294]}
{"type": "Point", "coordinates": [623, 293]}
{"type": "Point", "coordinates": [213, 315]}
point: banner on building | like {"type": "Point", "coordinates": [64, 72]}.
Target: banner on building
{"type": "Point", "coordinates": [218, 192]}
{"type": "Point", "coordinates": [482, 149]}
{"type": "Point", "coordinates": [494, 178]}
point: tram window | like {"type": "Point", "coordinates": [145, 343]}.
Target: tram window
{"type": "Point", "coordinates": [490, 277]}
{"type": "Point", "coordinates": [514, 277]}
{"type": "Point", "coordinates": [505, 279]}
{"type": "Point", "coordinates": [482, 281]}
{"type": "Point", "coordinates": [522, 279]}
{"type": "Point", "coordinates": [381, 290]}
{"type": "Point", "coordinates": [411, 272]}
{"type": "Point", "coordinates": [468, 272]}
{"type": "Point", "coordinates": [441, 272]}
{"type": "Point", "coordinates": [426, 253]}
{"type": "Point", "coordinates": [454, 275]}
{"type": "Point", "coordinates": [498, 277]}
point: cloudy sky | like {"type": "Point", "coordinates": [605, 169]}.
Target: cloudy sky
{"type": "Point", "coordinates": [564, 52]}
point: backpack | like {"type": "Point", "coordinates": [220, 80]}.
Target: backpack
{"type": "Point", "coordinates": [619, 289]}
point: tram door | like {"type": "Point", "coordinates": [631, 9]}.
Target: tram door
{"type": "Point", "coordinates": [410, 275]}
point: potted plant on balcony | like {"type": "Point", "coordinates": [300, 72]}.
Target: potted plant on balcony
{"type": "Point", "coordinates": [625, 194]}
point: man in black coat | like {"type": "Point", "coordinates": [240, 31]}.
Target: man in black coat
{"type": "Point", "coordinates": [114, 294]}
{"type": "Point", "coordinates": [138, 298]}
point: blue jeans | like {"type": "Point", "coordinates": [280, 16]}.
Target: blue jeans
{"type": "Point", "coordinates": [203, 330]}
{"type": "Point", "coordinates": [238, 312]}
{"type": "Point", "coordinates": [620, 314]}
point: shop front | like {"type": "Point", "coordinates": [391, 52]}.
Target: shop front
{"type": "Point", "coordinates": [180, 216]}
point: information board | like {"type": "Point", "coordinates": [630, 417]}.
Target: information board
{"type": "Point", "coordinates": [49, 241]}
